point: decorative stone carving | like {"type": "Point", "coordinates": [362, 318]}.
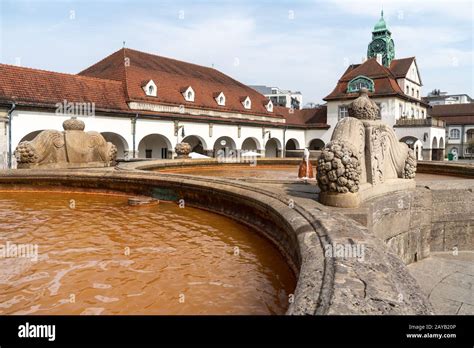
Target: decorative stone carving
{"type": "Point", "coordinates": [363, 159]}
{"type": "Point", "coordinates": [74, 124]}
{"type": "Point", "coordinates": [363, 108]}
{"type": "Point", "coordinates": [339, 168]}
{"type": "Point", "coordinates": [182, 150]}
{"type": "Point", "coordinates": [71, 148]}
{"type": "Point", "coordinates": [410, 165]}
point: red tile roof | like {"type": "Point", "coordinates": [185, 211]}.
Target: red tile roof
{"type": "Point", "coordinates": [118, 79]}
{"type": "Point", "coordinates": [385, 79]}
{"type": "Point", "coordinates": [313, 118]}
{"type": "Point", "coordinates": [454, 113]}
{"type": "Point", "coordinates": [46, 88]}
{"type": "Point", "coordinates": [170, 75]}
{"type": "Point", "coordinates": [400, 67]}
{"type": "Point", "coordinates": [452, 110]}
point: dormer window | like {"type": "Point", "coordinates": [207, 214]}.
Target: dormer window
{"type": "Point", "coordinates": [269, 106]}
{"type": "Point", "coordinates": [188, 93]}
{"type": "Point", "coordinates": [150, 88]}
{"type": "Point", "coordinates": [220, 98]}
{"type": "Point", "coordinates": [359, 82]}
{"type": "Point", "coordinates": [247, 103]}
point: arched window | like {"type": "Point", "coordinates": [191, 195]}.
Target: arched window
{"type": "Point", "coordinates": [220, 98]}
{"type": "Point", "coordinates": [188, 93]}
{"type": "Point", "coordinates": [454, 133]}
{"type": "Point", "coordinates": [359, 82]}
{"type": "Point", "coordinates": [246, 102]}
{"type": "Point", "coordinates": [149, 87]}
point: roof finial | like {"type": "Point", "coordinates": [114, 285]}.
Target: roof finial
{"type": "Point", "coordinates": [381, 12]}
{"type": "Point", "coordinates": [124, 44]}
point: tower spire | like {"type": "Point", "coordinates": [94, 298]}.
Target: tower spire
{"type": "Point", "coordinates": [382, 42]}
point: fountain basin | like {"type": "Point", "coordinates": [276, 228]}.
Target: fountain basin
{"type": "Point", "coordinates": [95, 254]}
{"type": "Point", "coordinates": [301, 230]}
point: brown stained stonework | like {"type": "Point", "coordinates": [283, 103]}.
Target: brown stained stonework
{"type": "Point", "coordinates": [463, 170]}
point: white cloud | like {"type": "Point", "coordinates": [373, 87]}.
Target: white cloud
{"type": "Point", "coordinates": [258, 47]}
{"type": "Point", "coordinates": [455, 9]}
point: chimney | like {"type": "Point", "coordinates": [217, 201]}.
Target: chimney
{"type": "Point", "coordinates": [379, 58]}
{"type": "Point", "coordinates": [364, 59]}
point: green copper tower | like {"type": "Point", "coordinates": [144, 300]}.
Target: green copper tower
{"type": "Point", "coordinates": [382, 42]}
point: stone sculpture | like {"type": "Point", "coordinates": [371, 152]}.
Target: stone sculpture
{"type": "Point", "coordinates": [71, 148]}
{"type": "Point", "coordinates": [364, 158]}
{"type": "Point", "coordinates": [182, 150]}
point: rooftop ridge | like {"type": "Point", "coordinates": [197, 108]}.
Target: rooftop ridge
{"type": "Point", "coordinates": [100, 61]}
{"type": "Point", "coordinates": [59, 73]}
{"type": "Point", "coordinates": [124, 67]}
{"type": "Point", "coordinates": [193, 64]}
{"type": "Point", "coordinates": [168, 58]}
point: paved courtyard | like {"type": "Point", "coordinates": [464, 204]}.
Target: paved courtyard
{"type": "Point", "coordinates": [448, 281]}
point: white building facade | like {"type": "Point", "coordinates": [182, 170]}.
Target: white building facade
{"type": "Point", "coordinates": [145, 113]}
{"type": "Point", "coordinates": [147, 104]}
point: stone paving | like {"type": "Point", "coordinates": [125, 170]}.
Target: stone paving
{"type": "Point", "coordinates": [447, 280]}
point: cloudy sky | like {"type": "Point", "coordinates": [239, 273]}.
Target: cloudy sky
{"type": "Point", "coordinates": [298, 45]}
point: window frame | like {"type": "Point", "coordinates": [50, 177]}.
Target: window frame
{"type": "Point", "coordinates": [340, 108]}
{"type": "Point", "coordinates": [353, 86]}
{"type": "Point", "coordinates": [454, 131]}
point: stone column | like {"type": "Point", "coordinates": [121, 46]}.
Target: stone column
{"type": "Point", "coordinates": [426, 154]}
{"type": "Point", "coordinates": [3, 139]}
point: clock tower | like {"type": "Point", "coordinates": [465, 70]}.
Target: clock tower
{"type": "Point", "coordinates": [382, 43]}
